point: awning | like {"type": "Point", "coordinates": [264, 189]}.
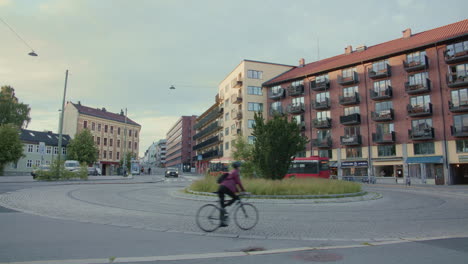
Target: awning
{"type": "Point", "coordinates": [430, 159]}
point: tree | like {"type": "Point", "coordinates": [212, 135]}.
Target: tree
{"type": "Point", "coordinates": [242, 150]}
{"type": "Point", "coordinates": [11, 110]}
{"type": "Point", "coordinates": [276, 142]}
{"type": "Point", "coordinates": [82, 148]}
{"type": "Point", "coordinates": [11, 147]}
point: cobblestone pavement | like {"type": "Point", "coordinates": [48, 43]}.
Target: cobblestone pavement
{"type": "Point", "coordinates": [399, 213]}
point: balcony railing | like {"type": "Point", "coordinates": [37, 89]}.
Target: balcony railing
{"type": "Point", "coordinates": [352, 119]}
{"type": "Point", "coordinates": [302, 125]}
{"type": "Point", "coordinates": [321, 105]}
{"type": "Point", "coordinates": [417, 64]}
{"type": "Point", "coordinates": [207, 142]}
{"type": "Point", "coordinates": [237, 115]}
{"type": "Point", "coordinates": [214, 113]}
{"type": "Point", "coordinates": [382, 94]}
{"type": "Point", "coordinates": [384, 115]}
{"type": "Point", "coordinates": [383, 137]}
{"type": "Point", "coordinates": [455, 81]}
{"type": "Point", "coordinates": [353, 79]}
{"type": "Point", "coordinates": [210, 128]}
{"type": "Point", "coordinates": [322, 142]}
{"type": "Point", "coordinates": [351, 140]}
{"type": "Point", "coordinates": [462, 106]}
{"type": "Point", "coordinates": [296, 90]}
{"type": "Point", "coordinates": [456, 57]}
{"type": "Point", "coordinates": [276, 95]}
{"type": "Point", "coordinates": [416, 88]}
{"type": "Point", "coordinates": [349, 100]}
{"type": "Point", "coordinates": [236, 83]}
{"type": "Point", "coordinates": [322, 123]}
{"type": "Point", "coordinates": [296, 108]}
{"type": "Point", "coordinates": [419, 110]}
{"type": "Point", "coordinates": [320, 85]}
{"type": "Point", "coordinates": [212, 153]}
{"type": "Point", "coordinates": [236, 99]}
{"type": "Point", "coordinates": [383, 73]}
{"type": "Point", "coordinates": [459, 131]}
{"type": "Point", "coordinates": [276, 111]}
{"type": "Point", "coordinates": [421, 134]}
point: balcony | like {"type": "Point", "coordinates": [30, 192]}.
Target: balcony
{"type": "Point", "coordinates": [321, 85]}
{"type": "Point", "coordinates": [207, 130]}
{"type": "Point", "coordinates": [459, 131]}
{"type": "Point", "coordinates": [207, 142]}
{"type": "Point", "coordinates": [236, 99]}
{"type": "Point", "coordinates": [452, 57]}
{"type": "Point", "coordinates": [212, 153]}
{"type": "Point", "coordinates": [381, 138]}
{"type": "Point", "coordinates": [387, 93]}
{"type": "Point", "coordinates": [349, 100]}
{"type": "Point", "coordinates": [296, 108]}
{"type": "Point", "coordinates": [419, 110]}
{"type": "Point", "coordinates": [322, 142]}
{"type": "Point", "coordinates": [462, 106]}
{"type": "Point", "coordinates": [352, 119]}
{"type": "Point", "coordinates": [214, 113]}
{"type": "Point", "coordinates": [277, 94]}
{"type": "Point", "coordinates": [322, 123]}
{"type": "Point", "coordinates": [455, 81]}
{"type": "Point", "coordinates": [236, 83]}
{"type": "Point", "coordinates": [296, 90]}
{"type": "Point", "coordinates": [321, 105]}
{"type": "Point", "coordinates": [384, 115]}
{"type": "Point", "coordinates": [351, 140]}
{"type": "Point", "coordinates": [383, 73]}
{"type": "Point", "coordinates": [417, 64]}
{"type": "Point", "coordinates": [417, 88]}
{"type": "Point", "coordinates": [302, 125]}
{"type": "Point", "coordinates": [353, 79]}
{"type": "Point", "coordinates": [221, 110]}
{"type": "Point", "coordinates": [237, 115]}
{"type": "Point", "coordinates": [276, 111]}
{"type": "Point", "coordinates": [421, 134]}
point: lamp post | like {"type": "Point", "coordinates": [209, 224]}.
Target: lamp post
{"type": "Point", "coordinates": [61, 119]}
{"type": "Point", "coordinates": [32, 53]}
{"type": "Point", "coordinates": [125, 145]}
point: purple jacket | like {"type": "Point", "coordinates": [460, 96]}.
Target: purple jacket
{"type": "Point", "coordinates": [232, 180]}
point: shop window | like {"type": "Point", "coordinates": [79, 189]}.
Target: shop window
{"type": "Point", "coordinates": [325, 153]}
{"type": "Point", "coordinates": [462, 146]}
{"type": "Point", "coordinates": [424, 148]}
{"type": "Point", "coordinates": [354, 171]}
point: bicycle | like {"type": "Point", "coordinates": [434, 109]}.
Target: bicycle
{"type": "Point", "coordinates": [208, 217]}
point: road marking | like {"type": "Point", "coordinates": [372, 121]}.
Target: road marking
{"type": "Point", "coordinates": [228, 254]}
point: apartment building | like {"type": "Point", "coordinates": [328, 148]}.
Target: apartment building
{"type": "Point", "coordinates": [161, 153]}
{"type": "Point", "coordinates": [394, 110]}
{"type": "Point", "coordinates": [208, 138]}
{"type": "Point", "coordinates": [113, 133]}
{"type": "Point", "coordinates": [242, 95]}
{"type": "Point", "coordinates": [179, 144]}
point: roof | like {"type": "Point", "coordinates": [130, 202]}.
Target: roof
{"type": "Point", "coordinates": [49, 138]}
{"type": "Point", "coordinates": [385, 49]}
{"type": "Point", "coordinates": [102, 113]}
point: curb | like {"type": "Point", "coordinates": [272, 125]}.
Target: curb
{"type": "Point", "coordinates": [324, 196]}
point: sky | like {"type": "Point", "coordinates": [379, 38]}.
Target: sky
{"type": "Point", "coordinates": [127, 53]}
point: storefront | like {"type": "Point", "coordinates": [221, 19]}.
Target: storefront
{"type": "Point", "coordinates": [388, 170]}
{"type": "Point", "coordinates": [426, 170]}
{"type": "Point", "coordinates": [459, 171]}
{"type": "Point", "coordinates": [354, 169]}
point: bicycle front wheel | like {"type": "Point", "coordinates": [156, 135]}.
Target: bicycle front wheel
{"type": "Point", "coordinates": [246, 216]}
{"type": "Point", "coordinates": [208, 217]}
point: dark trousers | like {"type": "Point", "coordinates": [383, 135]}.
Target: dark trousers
{"type": "Point", "coordinates": [222, 191]}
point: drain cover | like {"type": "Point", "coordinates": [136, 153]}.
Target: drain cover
{"type": "Point", "coordinates": [318, 256]}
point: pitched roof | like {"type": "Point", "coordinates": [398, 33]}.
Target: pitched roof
{"type": "Point", "coordinates": [385, 49]}
{"type": "Point", "coordinates": [102, 113]}
{"type": "Point", "coordinates": [49, 138]}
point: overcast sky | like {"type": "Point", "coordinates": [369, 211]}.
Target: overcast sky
{"type": "Point", "coordinates": [127, 53]}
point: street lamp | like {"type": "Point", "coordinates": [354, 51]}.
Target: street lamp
{"type": "Point", "coordinates": [61, 118]}
{"type": "Point", "coordinates": [32, 53]}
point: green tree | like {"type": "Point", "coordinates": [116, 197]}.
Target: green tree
{"type": "Point", "coordinates": [276, 141]}
{"type": "Point", "coordinates": [242, 150]}
{"type": "Point", "coordinates": [11, 110]}
{"type": "Point", "coordinates": [11, 147]}
{"type": "Point", "coordinates": [82, 148]}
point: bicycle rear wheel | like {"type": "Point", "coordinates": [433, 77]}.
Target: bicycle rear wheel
{"type": "Point", "coordinates": [208, 218]}
{"type": "Point", "coordinates": [246, 216]}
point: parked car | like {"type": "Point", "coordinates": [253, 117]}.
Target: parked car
{"type": "Point", "coordinates": [40, 168]}
{"type": "Point", "coordinates": [171, 172]}
{"type": "Point", "coordinates": [72, 165]}
{"type": "Point", "coordinates": [94, 171]}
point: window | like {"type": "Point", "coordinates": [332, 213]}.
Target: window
{"type": "Point", "coordinates": [276, 90]}
{"type": "Point", "coordinates": [110, 154]}
{"type": "Point", "coordinates": [135, 145]}
{"type": "Point", "coordinates": [105, 128]}
{"type": "Point", "coordinates": [105, 141]}
{"type": "Point", "coordinates": [348, 73]}
{"type": "Point", "coordinates": [386, 150]}
{"type": "Point", "coordinates": [462, 146]}
{"type": "Point", "coordinates": [460, 122]}
{"type": "Point", "coordinates": [275, 107]}
{"type": "Point", "coordinates": [255, 107]}
{"type": "Point", "coordinates": [418, 78]}
{"type": "Point", "coordinates": [130, 145]}
{"type": "Point", "coordinates": [55, 150]}
{"type": "Point", "coordinates": [29, 164]}
{"type": "Point", "coordinates": [98, 141]}
{"type": "Point", "coordinates": [383, 107]}
{"type": "Point", "coordinates": [298, 119]}
{"type": "Point", "coordinates": [321, 78]}
{"type": "Point", "coordinates": [85, 124]}
{"type": "Point", "coordinates": [226, 88]}
{"type": "Point", "coordinates": [455, 48]}
{"type": "Point", "coordinates": [298, 101]}
{"type": "Point", "coordinates": [351, 110]}
{"type": "Point", "coordinates": [252, 74]}
{"type": "Point", "coordinates": [251, 140]}
{"type": "Point", "coordinates": [350, 91]}
{"type": "Point", "coordinates": [99, 127]}
{"type": "Point", "coordinates": [423, 124]}
{"type": "Point", "coordinates": [353, 152]}
{"type": "Point", "coordinates": [380, 66]}
{"type": "Point", "coordinates": [254, 90]}
{"type": "Point", "coordinates": [383, 129]}
{"type": "Point", "coordinates": [226, 131]}
{"type": "Point", "coordinates": [325, 153]}
{"type": "Point", "coordinates": [136, 134]}
{"type": "Point", "coordinates": [118, 143]}
{"type": "Point", "coordinates": [250, 123]}
{"type": "Point", "coordinates": [226, 103]}
{"type": "Point", "coordinates": [415, 58]}
{"type": "Point", "coordinates": [233, 127]}
{"type": "Point", "coordinates": [459, 71]}
{"type": "Point", "coordinates": [112, 129]}
{"type": "Point", "coordinates": [64, 151]}
{"type": "Point", "coordinates": [105, 154]}
{"type": "Point", "coordinates": [297, 83]}
{"type": "Point", "coordinates": [226, 145]}
{"type": "Point", "coordinates": [322, 97]}
{"type": "Point", "coordinates": [226, 117]}
{"type": "Point", "coordinates": [460, 97]}
{"type": "Point", "coordinates": [323, 134]}
{"type": "Point", "coordinates": [323, 115]}
{"type": "Point", "coordinates": [352, 131]}
{"type": "Point", "coordinates": [111, 141]}
{"type": "Point", "coordinates": [48, 150]}
{"type": "Point", "coordinates": [38, 163]}
{"type": "Point", "coordinates": [118, 131]}
{"type": "Point", "coordinates": [380, 87]}
{"type": "Point", "coordinates": [129, 132]}
{"type": "Point", "coordinates": [420, 102]}
{"type": "Point", "coordinates": [30, 148]}
{"type": "Point", "coordinates": [424, 148]}
{"type": "Point", "coordinates": [93, 126]}
{"type": "Point", "coordinates": [37, 148]}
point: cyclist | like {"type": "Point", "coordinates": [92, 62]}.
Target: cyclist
{"type": "Point", "coordinates": [229, 187]}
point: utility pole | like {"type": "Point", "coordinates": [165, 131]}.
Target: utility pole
{"type": "Point", "coordinates": [61, 121]}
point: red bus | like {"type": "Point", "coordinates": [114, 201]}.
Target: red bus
{"type": "Point", "coordinates": [314, 166]}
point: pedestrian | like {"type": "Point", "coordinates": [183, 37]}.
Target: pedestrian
{"type": "Point", "coordinates": [408, 181]}
{"type": "Point", "coordinates": [149, 171]}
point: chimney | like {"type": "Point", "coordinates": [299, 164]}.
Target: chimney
{"type": "Point", "coordinates": [348, 49]}
{"type": "Point", "coordinates": [407, 33]}
{"type": "Point", "coordinates": [121, 112]}
{"type": "Point", "coordinates": [79, 102]}
{"type": "Point", "coordinates": [103, 109]}
{"type": "Point", "coordinates": [301, 62]}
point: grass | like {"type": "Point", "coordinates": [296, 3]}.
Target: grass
{"type": "Point", "coordinates": [311, 186]}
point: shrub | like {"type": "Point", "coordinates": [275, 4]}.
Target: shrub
{"type": "Point", "coordinates": [58, 168]}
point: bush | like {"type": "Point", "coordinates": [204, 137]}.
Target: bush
{"type": "Point", "coordinates": [309, 186]}
{"type": "Point", "coordinates": [58, 168]}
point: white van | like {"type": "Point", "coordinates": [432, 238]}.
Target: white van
{"type": "Point", "coordinates": [72, 165]}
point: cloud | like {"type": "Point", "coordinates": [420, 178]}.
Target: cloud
{"type": "Point", "coordinates": [5, 2]}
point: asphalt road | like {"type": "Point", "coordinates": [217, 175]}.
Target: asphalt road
{"type": "Point", "coordinates": [150, 221]}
